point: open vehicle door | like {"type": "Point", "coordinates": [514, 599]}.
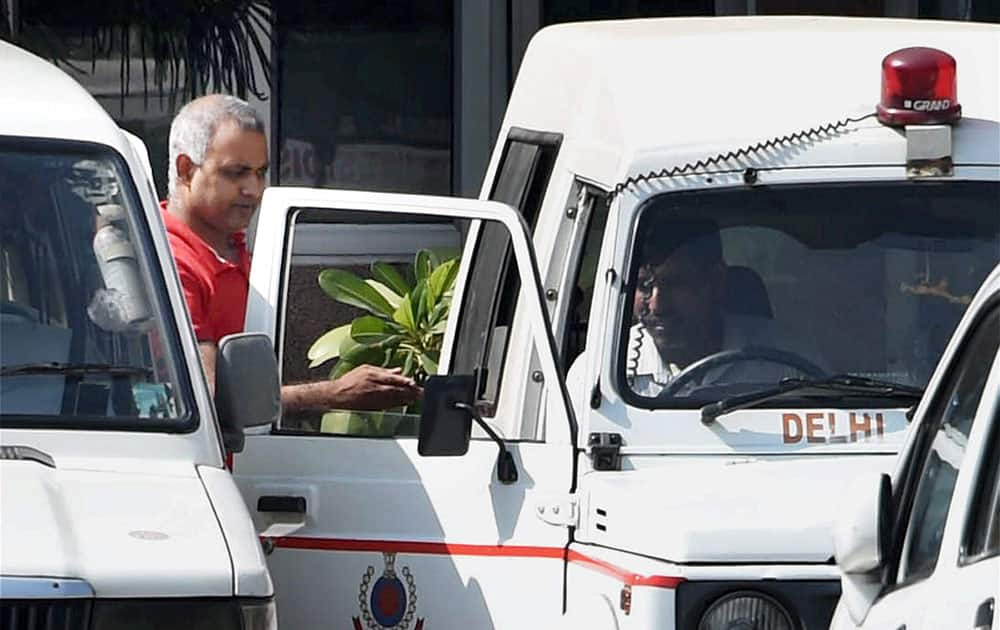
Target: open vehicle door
{"type": "Point", "coordinates": [361, 528]}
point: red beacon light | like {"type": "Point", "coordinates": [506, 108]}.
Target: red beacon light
{"type": "Point", "coordinates": [918, 88]}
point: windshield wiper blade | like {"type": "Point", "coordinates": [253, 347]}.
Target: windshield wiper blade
{"type": "Point", "coordinates": [75, 368]}
{"type": "Point", "coordinates": [857, 385]}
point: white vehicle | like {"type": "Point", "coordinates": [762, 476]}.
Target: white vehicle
{"type": "Point", "coordinates": [856, 239]}
{"type": "Point", "coordinates": [117, 511]}
{"type": "Point", "coordinates": [922, 550]}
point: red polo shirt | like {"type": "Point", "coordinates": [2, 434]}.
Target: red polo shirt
{"type": "Point", "coordinates": [215, 289]}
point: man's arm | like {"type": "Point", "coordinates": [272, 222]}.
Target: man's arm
{"type": "Point", "coordinates": [364, 387]}
{"type": "Point", "coordinates": [209, 355]}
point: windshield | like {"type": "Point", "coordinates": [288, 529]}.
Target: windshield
{"type": "Point", "coordinates": [733, 291]}
{"type": "Point", "coordinates": [83, 323]}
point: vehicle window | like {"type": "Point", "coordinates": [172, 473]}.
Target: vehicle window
{"type": "Point", "coordinates": [575, 333]}
{"type": "Point", "coordinates": [982, 535]}
{"type": "Point", "coordinates": [332, 254]}
{"type": "Point", "coordinates": [732, 291]}
{"type": "Point", "coordinates": [521, 181]}
{"type": "Point", "coordinates": [945, 432]}
{"type": "Point", "coordinates": [83, 317]}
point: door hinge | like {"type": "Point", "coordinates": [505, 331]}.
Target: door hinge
{"type": "Point", "coordinates": [558, 509]}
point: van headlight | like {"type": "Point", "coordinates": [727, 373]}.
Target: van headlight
{"type": "Point", "coordinates": [184, 614]}
{"type": "Point", "coordinates": [746, 610]}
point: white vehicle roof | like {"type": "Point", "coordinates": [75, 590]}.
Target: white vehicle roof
{"type": "Point", "coordinates": [632, 87]}
{"type": "Point", "coordinates": [41, 101]}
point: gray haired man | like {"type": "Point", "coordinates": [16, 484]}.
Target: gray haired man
{"type": "Point", "coordinates": [218, 168]}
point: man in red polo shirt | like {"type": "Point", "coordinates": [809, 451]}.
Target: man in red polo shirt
{"type": "Point", "coordinates": [218, 167]}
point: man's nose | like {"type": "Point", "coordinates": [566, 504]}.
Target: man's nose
{"type": "Point", "coordinates": [253, 185]}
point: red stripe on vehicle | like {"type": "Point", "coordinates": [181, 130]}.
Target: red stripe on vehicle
{"type": "Point", "coordinates": [452, 549]}
{"type": "Point", "coordinates": [626, 576]}
{"type": "Point", "coordinates": [405, 546]}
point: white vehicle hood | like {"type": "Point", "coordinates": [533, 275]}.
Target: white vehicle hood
{"type": "Point", "coordinates": [129, 534]}
{"type": "Point", "coordinates": [723, 509]}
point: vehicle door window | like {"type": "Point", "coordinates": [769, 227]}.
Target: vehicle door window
{"type": "Point", "coordinates": [941, 450]}
{"type": "Point", "coordinates": [982, 532]}
{"type": "Point", "coordinates": [493, 286]}
{"type": "Point", "coordinates": [346, 278]}
{"type": "Point", "coordinates": [584, 269]}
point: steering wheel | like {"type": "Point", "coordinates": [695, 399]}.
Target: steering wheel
{"type": "Point", "coordinates": [702, 366]}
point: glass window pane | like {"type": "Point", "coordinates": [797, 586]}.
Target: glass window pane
{"type": "Point", "coordinates": [83, 318]}
{"type": "Point", "coordinates": [867, 280]}
{"type": "Point", "coordinates": [365, 94]}
{"type": "Point", "coordinates": [493, 286]}
{"type": "Point", "coordinates": [379, 251]}
{"type": "Point", "coordinates": [857, 8]}
{"type": "Point", "coordinates": [951, 422]}
{"type": "Point", "coordinates": [575, 336]}
{"type": "Point", "coordinates": [556, 11]}
{"type": "Point", "coordinates": [983, 530]}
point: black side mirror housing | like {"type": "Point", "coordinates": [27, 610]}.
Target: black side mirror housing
{"type": "Point", "coordinates": [446, 422]}
{"type": "Point", "coordinates": [247, 391]}
{"type": "Point", "coordinates": [445, 427]}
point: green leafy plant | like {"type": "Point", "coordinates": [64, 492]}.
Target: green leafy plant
{"type": "Point", "coordinates": [406, 319]}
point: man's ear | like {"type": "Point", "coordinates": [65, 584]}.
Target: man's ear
{"type": "Point", "coordinates": [185, 169]}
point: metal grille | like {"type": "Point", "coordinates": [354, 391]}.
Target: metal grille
{"type": "Point", "coordinates": [44, 614]}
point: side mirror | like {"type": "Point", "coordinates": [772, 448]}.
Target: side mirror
{"type": "Point", "coordinates": [446, 428]}
{"type": "Point", "coordinates": [247, 392]}
{"type": "Point", "coordinates": [446, 422]}
{"type": "Point", "coordinates": [861, 540]}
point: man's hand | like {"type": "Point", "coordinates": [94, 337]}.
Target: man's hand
{"type": "Point", "coordinates": [366, 387]}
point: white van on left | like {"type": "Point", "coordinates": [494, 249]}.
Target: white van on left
{"type": "Point", "coordinates": [117, 509]}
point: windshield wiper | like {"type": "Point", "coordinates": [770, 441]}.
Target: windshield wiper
{"type": "Point", "coordinates": [75, 368]}
{"type": "Point", "coordinates": [854, 385]}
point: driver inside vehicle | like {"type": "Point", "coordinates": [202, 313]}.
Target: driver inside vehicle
{"type": "Point", "coordinates": [699, 322]}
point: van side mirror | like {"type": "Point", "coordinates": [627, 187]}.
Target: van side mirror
{"type": "Point", "coordinates": [446, 428]}
{"type": "Point", "coordinates": [861, 541]}
{"type": "Point", "coordinates": [247, 391]}
{"type": "Point", "coordinates": [446, 422]}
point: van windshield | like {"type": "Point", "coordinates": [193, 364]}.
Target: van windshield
{"type": "Point", "coordinates": [732, 292]}
{"type": "Point", "coordinates": [86, 341]}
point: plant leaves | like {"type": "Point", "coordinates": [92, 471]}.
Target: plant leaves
{"type": "Point", "coordinates": [342, 367]}
{"type": "Point", "coordinates": [347, 288]}
{"type": "Point", "coordinates": [328, 345]}
{"type": "Point", "coordinates": [370, 330]}
{"type": "Point", "coordinates": [423, 264]}
{"type": "Point", "coordinates": [419, 301]}
{"type": "Point", "coordinates": [428, 363]}
{"type": "Point", "coordinates": [387, 275]}
{"type": "Point", "coordinates": [442, 279]}
{"type": "Point", "coordinates": [404, 315]}
{"type": "Point", "coordinates": [390, 296]}
{"type": "Point", "coordinates": [440, 327]}
{"type": "Point", "coordinates": [364, 353]}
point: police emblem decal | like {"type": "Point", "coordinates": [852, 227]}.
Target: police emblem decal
{"type": "Point", "coordinates": [390, 604]}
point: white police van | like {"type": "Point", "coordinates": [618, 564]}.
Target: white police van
{"type": "Point", "coordinates": [848, 173]}
{"type": "Point", "coordinates": [922, 549]}
{"type": "Point", "coordinates": [115, 508]}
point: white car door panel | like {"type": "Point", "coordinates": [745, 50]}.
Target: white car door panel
{"type": "Point", "coordinates": [372, 534]}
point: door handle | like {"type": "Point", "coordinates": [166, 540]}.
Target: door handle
{"type": "Point", "coordinates": [282, 515]}
{"type": "Point", "coordinates": [984, 615]}
{"type": "Point", "coordinates": [296, 505]}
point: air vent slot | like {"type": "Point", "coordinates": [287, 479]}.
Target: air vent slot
{"type": "Point", "coordinates": [600, 519]}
